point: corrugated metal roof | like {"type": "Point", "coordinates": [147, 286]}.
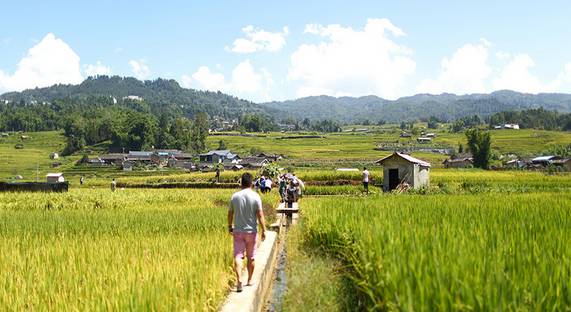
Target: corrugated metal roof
{"type": "Point", "coordinates": [544, 158]}
{"type": "Point", "coordinates": [406, 157]}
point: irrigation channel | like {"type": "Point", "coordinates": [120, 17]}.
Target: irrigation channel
{"type": "Point", "coordinates": [289, 216]}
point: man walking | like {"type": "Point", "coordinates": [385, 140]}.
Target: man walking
{"type": "Point", "coordinates": [366, 179]}
{"type": "Point", "coordinates": [244, 215]}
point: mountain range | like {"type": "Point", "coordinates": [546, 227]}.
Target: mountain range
{"type": "Point", "coordinates": [168, 94]}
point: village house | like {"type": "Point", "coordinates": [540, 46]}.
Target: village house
{"type": "Point", "coordinates": [507, 126]}
{"type": "Point", "coordinates": [459, 161]}
{"type": "Point", "coordinates": [55, 178]}
{"type": "Point", "coordinates": [113, 159]}
{"type": "Point", "coordinates": [217, 156]}
{"type": "Point", "coordinates": [516, 164]}
{"type": "Point", "coordinates": [563, 163]}
{"type": "Point", "coordinates": [400, 168]}
{"type": "Point", "coordinates": [254, 162]}
{"type": "Point", "coordinates": [544, 160]}
{"type": "Point", "coordinates": [405, 135]}
{"type": "Point", "coordinates": [140, 157]}
{"type": "Point", "coordinates": [127, 165]}
{"type": "Point", "coordinates": [423, 140]}
{"type": "Point", "coordinates": [271, 157]}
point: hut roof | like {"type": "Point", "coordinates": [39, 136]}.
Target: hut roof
{"type": "Point", "coordinates": [405, 157]}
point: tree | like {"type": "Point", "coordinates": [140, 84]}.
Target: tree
{"type": "Point", "coordinates": [221, 145]}
{"type": "Point", "coordinates": [199, 132]}
{"type": "Point", "coordinates": [480, 145]}
{"type": "Point", "coordinates": [403, 125]}
{"type": "Point", "coordinates": [433, 122]}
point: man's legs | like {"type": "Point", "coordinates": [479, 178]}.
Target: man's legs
{"type": "Point", "coordinates": [251, 242]}
{"type": "Point", "coordinates": [239, 247]}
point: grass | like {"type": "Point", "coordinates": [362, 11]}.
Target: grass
{"type": "Point", "coordinates": [329, 290]}
{"type": "Point", "coordinates": [34, 157]}
{"type": "Point", "coordinates": [357, 149]}
{"type": "Point", "coordinates": [333, 150]}
{"type": "Point", "coordinates": [449, 252]}
{"type": "Point", "coordinates": [128, 250]}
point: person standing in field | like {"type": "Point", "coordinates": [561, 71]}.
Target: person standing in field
{"type": "Point", "coordinates": [113, 185]}
{"type": "Point", "coordinates": [245, 214]}
{"type": "Point", "coordinates": [217, 177]}
{"type": "Point", "coordinates": [366, 179]}
{"type": "Point", "coordinates": [81, 180]}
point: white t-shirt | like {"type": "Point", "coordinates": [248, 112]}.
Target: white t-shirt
{"type": "Point", "coordinates": [365, 175]}
{"type": "Point", "coordinates": [246, 204]}
{"type": "Point", "coordinates": [268, 183]}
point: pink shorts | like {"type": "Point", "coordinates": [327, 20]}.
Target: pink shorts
{"type": "Point", "coordinates": [245, 242]}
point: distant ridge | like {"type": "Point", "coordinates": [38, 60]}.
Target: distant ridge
{"type": "Point", "coordinates": [163, 94]}
{"type": "Point", "coordinates": [444, 106]}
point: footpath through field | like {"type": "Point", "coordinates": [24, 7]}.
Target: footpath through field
{"type": "Point", "coordinates": [265, 293]}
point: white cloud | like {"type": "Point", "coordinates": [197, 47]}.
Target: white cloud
{"type": "Point", "coordinates": [259, 40]}
{"type": "Point", "coordinates": [563, 81]}
{"type": "Point", "coordinates": [245, 81]}
{"type": "Point", "coordinates": [503, 55]}
{"type": "Point", "coordinates": [205, 79]}
{"type": "Point", "coordinates": [515, 75]}
{"type": "Point", "coordinates": [352, 62]}
{"type": "Point", "coordinates": [465, 72]}
{"type": "Point", "coordinates": [140, 68]}
{"type": "Point", "coordinates": [470, 70]}
{"type": "Point", "coordinates": [97, 69]}
{"type": "Point", "coordinates": [50, 61]}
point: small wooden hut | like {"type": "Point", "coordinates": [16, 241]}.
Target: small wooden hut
{"type": "Point", "coordinates": [400, 168]}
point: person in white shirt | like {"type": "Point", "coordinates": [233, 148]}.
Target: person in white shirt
{"type": "Point", "coordinates": [269, 185]}
{"type": "Point", "coordinates": [366, 179]}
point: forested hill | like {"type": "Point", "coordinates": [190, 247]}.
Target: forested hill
{"type": "Point", "coordinates": [421, 106]}
{"type": "Point", "coordinates": [161, 95]}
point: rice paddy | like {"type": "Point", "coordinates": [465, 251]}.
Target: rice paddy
{"type": "Point", "coordinates": [449, 252]}
{"type": "Point", "coordinates": [90, 250]}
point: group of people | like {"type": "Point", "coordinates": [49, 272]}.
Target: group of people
{"type": "Point", "coordinates": [291, 187]}
{"type": "Point", "coordinates": [264, 184]}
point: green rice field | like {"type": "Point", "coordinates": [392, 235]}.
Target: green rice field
{"type": "Point", "coordinates": [448, 252]}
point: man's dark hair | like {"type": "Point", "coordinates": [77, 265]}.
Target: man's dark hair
{"type": "Point", "coordinates": [364, 168]}
{"type": "Point", "coordinates": [246, 179]}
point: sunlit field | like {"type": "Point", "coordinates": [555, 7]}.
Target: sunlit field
{"type": "Point", "coordinates": [130, 250]}
{"type": "Point", "coordinates": [449, 252]}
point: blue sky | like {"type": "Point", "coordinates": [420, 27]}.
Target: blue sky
{"type": "Point", "coordinates": [262, 50]}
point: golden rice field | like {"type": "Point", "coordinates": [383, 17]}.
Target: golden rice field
{"type": "Point", "coordinates": [90, 250]}
{"type": "Point", "coordinates": [448, 252]}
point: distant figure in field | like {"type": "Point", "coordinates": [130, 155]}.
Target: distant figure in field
{"type": "Point", "coordinates": [217, 177]}
{"type": "Point", "coordinates": [244, 215]}
{"type": "Point", "coordinates": [81, 180]}
{"type": "Point", "coordinates": [113, 185]}
{"type": "Point", "coordinates": [366, 179]}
